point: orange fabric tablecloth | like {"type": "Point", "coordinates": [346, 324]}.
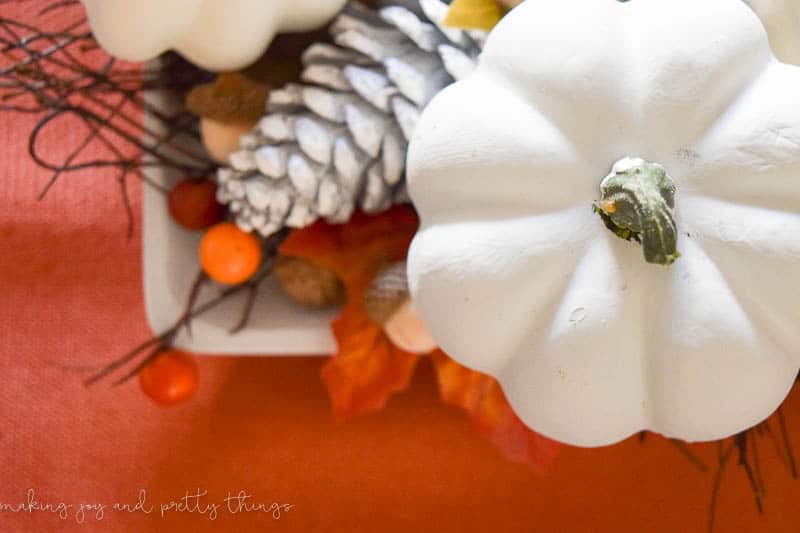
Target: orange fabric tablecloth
{"type": "Point", "coordinates": [71, 296]}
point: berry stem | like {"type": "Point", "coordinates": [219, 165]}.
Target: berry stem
{"type": "Point", "coordinates": [163, 341]}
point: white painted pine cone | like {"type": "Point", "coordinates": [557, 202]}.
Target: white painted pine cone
{"type": "Point", "coordinates": [338, 141]}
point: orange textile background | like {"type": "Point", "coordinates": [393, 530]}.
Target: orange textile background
{"type": "Point", "coordinates": [71, 296]}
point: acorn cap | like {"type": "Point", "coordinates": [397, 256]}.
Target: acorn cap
{"type": "Point", "coordinates": [231, 97]}
{"type": "Point", "coordinates": [387, 293]}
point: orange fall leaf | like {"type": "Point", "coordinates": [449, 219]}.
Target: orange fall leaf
{"type": "Point", "coordinates": [357, 250]}
{"type": "Point", "coordinates": [481, 396]}
{"type": "Point", "coordinates": [367, 369]}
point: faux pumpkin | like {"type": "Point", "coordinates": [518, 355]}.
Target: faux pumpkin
{"type": "Point", "coordinates": [610, 218]}
{"type": "Point", "coordinates": [782, 20]}
{"type": "Point", "coordinates": [214, 34]}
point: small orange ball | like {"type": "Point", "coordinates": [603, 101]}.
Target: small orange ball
{"type": "Point", "coordinates": [171, 378]}
{"type": "Point", "coordinates": [229, 255]}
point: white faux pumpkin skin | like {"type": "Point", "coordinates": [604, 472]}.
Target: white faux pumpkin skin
{"type": "Point", "coordinates": [515, 275]}
{"type": "Point", "coordinates": [782, 20]}
{"type": "Point", "coordinates": [214, 34]}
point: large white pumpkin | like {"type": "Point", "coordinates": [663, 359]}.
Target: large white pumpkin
{"type": "Point", "coordinates": [516, 276]}
{"type": "Point", "coordinates": [213, 34]}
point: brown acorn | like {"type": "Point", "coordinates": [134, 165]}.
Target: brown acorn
{"type": "Point", "coordinates": [228, 107]}
{"type": "Point", "coordinates": [309, 284]}
{"type": "Point", "coordinates": [388, 303]}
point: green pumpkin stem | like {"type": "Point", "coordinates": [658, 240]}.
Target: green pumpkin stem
{"type": "Point", "coordinates": [637, 203]}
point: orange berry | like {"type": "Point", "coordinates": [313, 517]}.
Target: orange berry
{"type": "Point", "coordinates": [193, 204]}
{"type": "Point", "coordinates": [171, 378]}
{"type": "Point", "coordinates": [229, 255]}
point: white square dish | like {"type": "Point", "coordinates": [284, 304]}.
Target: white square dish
{"type": "Point", "coordinates": [277, 326]}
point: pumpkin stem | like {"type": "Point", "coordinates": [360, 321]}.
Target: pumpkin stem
{"type": "Point", "coordinates": [637, 203]}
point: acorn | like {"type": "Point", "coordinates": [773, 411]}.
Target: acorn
{"type": "Point", "coordinates": [220, 139]}
{"type": "Point", "coordinates": [309, 284]}
{"type": "Point", "coordinates": [388, 302]}
{"type": "Point", "coordinates": [228, 107]}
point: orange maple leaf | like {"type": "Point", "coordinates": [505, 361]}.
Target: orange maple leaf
{"type": "Point", "coordinates": [481, 396]}
{"type": "Point", "coordinates": [367, 368]}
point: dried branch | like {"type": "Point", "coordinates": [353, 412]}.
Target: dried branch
{"type": "Point", "coordinates": [723, 455]}
{"type": "Point", "coordinates": [787, 443]}
{"type": "Point", "coordinates": [684, 450]}
{"type": "Point", "coordinates": [164, 341]}
{"type": "Point", "coordinates": [61, 73]}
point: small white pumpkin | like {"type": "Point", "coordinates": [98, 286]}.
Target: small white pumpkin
{"type": "Point", "coordinates": [782, 20]}
{"type": "Point", "coordinates": [214, 34]}
{"type": "Point", "coordinates": [514, 273]}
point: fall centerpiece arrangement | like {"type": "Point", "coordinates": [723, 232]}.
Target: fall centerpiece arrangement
{"type": "Point", "coordinates": [586, 213]}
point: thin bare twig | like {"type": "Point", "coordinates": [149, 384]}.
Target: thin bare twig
{"type": "Point", "coordinates": [48, 72]}
{"type": "Point", "coordinates": [723, 455]}
{"type": "Point", "coordinates": [740, 441]}
{"type": "Point", "coordinates": [163, 341]}
{"type": "Point", "coordinates": [787, 443]}
{"type": "Point", "coordinates": [688, 454]}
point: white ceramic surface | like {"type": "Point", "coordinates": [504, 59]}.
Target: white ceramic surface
{"type": "Point", "coordinates": [278, 327]}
